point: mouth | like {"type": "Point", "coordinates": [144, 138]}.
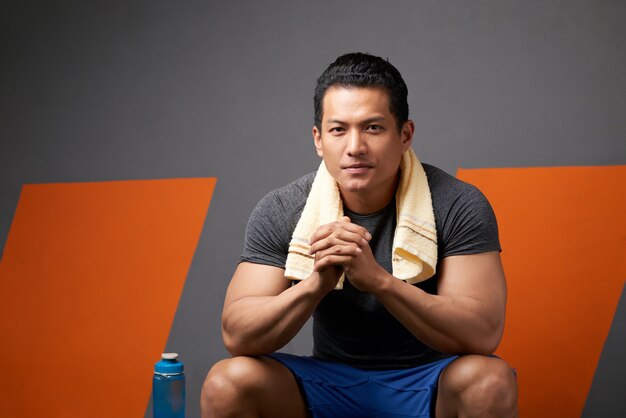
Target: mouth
{"type": "Point", "coordinates": [359, 168]}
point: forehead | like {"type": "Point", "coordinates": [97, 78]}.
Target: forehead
{"type": "Point", "coordinates": [354, 102]}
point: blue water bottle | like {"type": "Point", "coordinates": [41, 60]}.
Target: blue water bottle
{"type": "Point", "coordinates": [168, 388]}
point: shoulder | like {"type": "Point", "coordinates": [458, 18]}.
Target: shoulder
{"type": "Point", "coordinates": [449, 192]}
{"type": "Point", "coordinates": [465, 220]}
{"type": "Point", "coordinates": [446, 187]}
{"type": "Point", "coordinates": [272, 222]}
{"type": "Point", "coordinates": [287, 201]}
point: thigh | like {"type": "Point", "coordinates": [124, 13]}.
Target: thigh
{"type": "Point", "coordinates": [253, 386]}
{"type": "Point", "coordinates": [339, 390]}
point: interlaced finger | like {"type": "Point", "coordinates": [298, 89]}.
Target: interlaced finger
{"type": "Point", "coordinates": [338, 237]}
{"type": "Point", "coordinates": [342, 230]}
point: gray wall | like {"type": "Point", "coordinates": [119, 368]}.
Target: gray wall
{"type": "Point", "coordinates": [157, 89]}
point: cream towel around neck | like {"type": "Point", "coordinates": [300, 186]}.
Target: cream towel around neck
{"type": "Point", "coordinates": [414, 248]}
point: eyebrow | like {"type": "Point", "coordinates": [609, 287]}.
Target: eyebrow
{"type": "Point", "coordinates": [365, 122]}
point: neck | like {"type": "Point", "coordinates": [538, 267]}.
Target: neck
{"type": "Point", "coordinates": [369, 201]}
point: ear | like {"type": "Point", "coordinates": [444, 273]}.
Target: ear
{"type": "Point", "coordinates": [317, 139]}
{"type": "Point", "coordinates": [406, 134]}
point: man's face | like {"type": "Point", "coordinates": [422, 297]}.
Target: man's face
{"type": "Point", "coordinates": [360, 143]}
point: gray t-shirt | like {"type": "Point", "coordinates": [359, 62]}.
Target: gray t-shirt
{"type": "Point", "coordinates": [351, 326]}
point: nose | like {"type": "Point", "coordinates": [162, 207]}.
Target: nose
{"type": "Point", "coordinates": [356, 144]}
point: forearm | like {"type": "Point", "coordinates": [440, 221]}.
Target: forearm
{"type": "Point", "coordinates": [256, 325]}
{"type": "Point", "coordinates": [451, 324]}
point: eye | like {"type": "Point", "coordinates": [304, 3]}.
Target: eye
{"type": "Point", "coordinates": [375, 128]}
{"type": "Point", "coordinates": [336, 130]}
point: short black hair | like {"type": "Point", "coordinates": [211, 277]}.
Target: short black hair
{"type": "Point", "coordinates": [364, 70]}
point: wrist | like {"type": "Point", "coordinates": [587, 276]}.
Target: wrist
{"type": "Point", "coordinates": [382, 282]}
{"type": "Point", "coordinates": [321, 283]}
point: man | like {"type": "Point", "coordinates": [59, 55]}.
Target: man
{"type": "Point", "coordinates": [382, 347]}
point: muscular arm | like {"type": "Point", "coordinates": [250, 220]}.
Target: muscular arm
{"type": "Point", "coordinates": [262, 311]}
{"type": "Point", "coordinates": [467, 314]}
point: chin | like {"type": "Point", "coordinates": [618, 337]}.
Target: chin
{"type": "Point", "coordinates": [354, 186]}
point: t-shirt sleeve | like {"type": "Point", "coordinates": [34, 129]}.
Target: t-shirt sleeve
{"type": "Point", "coordinates": [267, 233]}
{"type": "Point", "coordinates": [470, 226]}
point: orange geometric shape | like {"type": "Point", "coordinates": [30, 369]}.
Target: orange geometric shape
{"type": "Point", "coordinates": [563, 234]}
{"type": "Point", "coordinates": [89, 284]}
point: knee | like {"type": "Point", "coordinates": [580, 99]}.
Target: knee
{"type": "Point", "coordinates": [483, 386]}
{"type": "Point", "coordinates": [228, 382]}
{"type": "Point", "coordinates": [233, 374]}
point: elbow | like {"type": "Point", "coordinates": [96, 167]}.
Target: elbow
{"type": "Point", "coordinates": [232, 339]}
{"type": "Point", "coordinates": [493, 331]}
{"type": "Point", "coordinates": [240, 345]}
{"type": "Point", "coordinates": [482, 340]}
{"type": "Point", "coordinates": [234, 344]}
{"type": "Point", "coordinates": [479, 346]}
{"type": "Point", "coordinates": [485, 345]}
{"type": "Point", "coordinates": [231, 345]}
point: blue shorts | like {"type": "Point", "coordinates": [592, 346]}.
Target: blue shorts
{"type": "Point", "coordinates": [339, 390]}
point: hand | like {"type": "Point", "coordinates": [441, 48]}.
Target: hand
{"type": "Point", "coordinates": [334, 244]}
{"type": "Point", "coordinates": [346, 245]}
{"type": "Point", "coordinates": [328, 278]}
